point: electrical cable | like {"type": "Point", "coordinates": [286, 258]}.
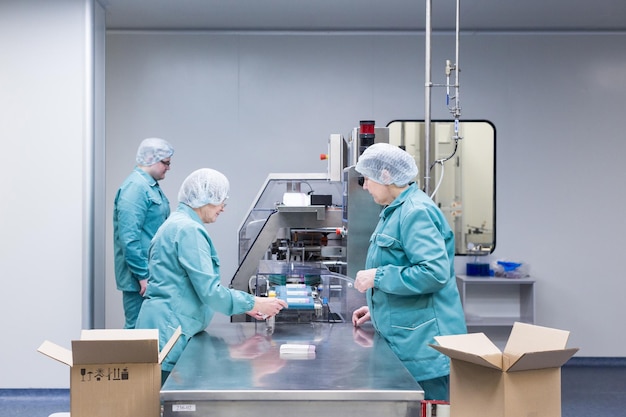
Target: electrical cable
{"type": "Point", "coordinates": [441, 161]}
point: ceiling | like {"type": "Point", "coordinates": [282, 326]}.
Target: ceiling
{"type": "Point", "coordinates": [365, 15]}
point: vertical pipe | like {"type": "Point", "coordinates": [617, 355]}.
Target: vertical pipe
{"type": "Point", "coordinates": [99, 171]}
{"type": "Point", "coordinates": [88, 172]}
{"type": "Point", "coordinates": [427, 98]}
{"type": "Point", "coordinates": [457, 112]}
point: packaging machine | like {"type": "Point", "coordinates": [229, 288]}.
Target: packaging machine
{"type": "Point", "coordinates": [312, 231]}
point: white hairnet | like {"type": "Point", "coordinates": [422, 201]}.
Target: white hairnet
{"type": "Point", "coordinates": [387, 164]}
{"type": "Point", "coordinates": [204, 186]}
{"type": "Point", "coordinates": [153, 150]}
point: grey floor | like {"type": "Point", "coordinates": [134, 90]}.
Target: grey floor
{"type": "Point", "coordinates": [588, 389]}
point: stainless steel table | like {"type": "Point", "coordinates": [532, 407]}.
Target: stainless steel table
{"type": "Point", "coordinates": [237, 369]}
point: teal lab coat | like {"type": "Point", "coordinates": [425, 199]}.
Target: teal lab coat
{"type": "Point", "coordinates": [140, 207]}
{"type": "Point", "coordinates": [184, 287]}
{"type": "Point", "coordinates": [415, 296]}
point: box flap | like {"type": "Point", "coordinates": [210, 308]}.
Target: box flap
{"type": "Point", "coordinates": [489, 361]}
{"type": "Point", "coordinates": [473, 347]}
{"type": "Point", "coordinates": [56, 352]}
{"type": "Point", "coordinates": [540, 360]}
{"type": "Point", "coordinates": [115, 351]}
{"type": "Point", "coordinates": [170, 344]}
{"type": "Point", "coordinates": [532, 338]}
{"type": "Point", "coordinates": [101, 346]}
{"type": "Point", "coordinates": [119, 334]}
{"type": "Point", "coordinates": [476, 343]}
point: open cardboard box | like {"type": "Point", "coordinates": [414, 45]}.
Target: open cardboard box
{"type": "Point", "coordinates": [114, 372]}
{"type": "Point", "coordinates": [524, 380]}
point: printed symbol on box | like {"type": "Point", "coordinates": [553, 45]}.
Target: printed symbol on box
{"type": "Point", "coordinates": [83, 372]}
{"type": "Point", "coordinates": [99, 374]}
{"type": "Point", "coordinates": [112, 374]}
{"type": "Point", "coordinates": [120, 374]}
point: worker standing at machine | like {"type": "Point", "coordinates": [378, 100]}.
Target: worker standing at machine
{"type": "Point", "coordinates": [185, 288]}
{"type": "Point", "coordinates": [139, 209]}
{"type": "Point", "coordinates": [409, 276]}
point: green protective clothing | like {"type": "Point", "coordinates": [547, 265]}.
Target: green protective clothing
{"type": "Point", "coordinates": [415, 296]}
{"type": "Point", "coordinates": [184, 288]}
{"type": "Point", "coordinates": [140, 208]}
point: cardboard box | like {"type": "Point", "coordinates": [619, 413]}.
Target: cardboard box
{"type": "Point", "coordinates": [522, 381]}
{"type": "Point", "coordinates": [114, 372]}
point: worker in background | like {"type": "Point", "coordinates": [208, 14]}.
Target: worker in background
{"type": "Point", "coordinates": [140, 208]}
{"type": "Point", "coordinates": [185, 285]}
{"type": "Point", "coordinates": [409, 270]}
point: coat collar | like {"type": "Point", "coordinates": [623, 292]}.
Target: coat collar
{"type": "Point", "coordinates": [400, 199]}
{"type": "Point", "coordinates": [147, 177]}
{"type": "Point", "coordinates": [184, 208]}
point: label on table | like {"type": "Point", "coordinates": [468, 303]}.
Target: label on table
{"type": "Point", "coordinates": [183, 407]}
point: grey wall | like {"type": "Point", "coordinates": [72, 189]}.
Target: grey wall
{"type": "Point", "coordinates": [48, 133]}
{"type": "Point", "coordinates": [251, 104]}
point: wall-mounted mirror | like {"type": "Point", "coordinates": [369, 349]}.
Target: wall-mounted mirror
{"type": "Point", "coordinates": [465, 184]}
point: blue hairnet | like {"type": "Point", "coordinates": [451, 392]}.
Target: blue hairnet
{"type": "Point", "coordinates": [387, 164]}
{"type": "Point", "coordinates": [153, 150]}
{"type": "Point", "coordinates": [204, 186]}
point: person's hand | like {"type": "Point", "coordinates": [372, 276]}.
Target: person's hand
{"type": "Point", "coordinates": [265, 307]}
{"type": "Point", "coordinates": [365, 279]}
{"type": "Point", "coordinates": [143, 284]}
{"type": "Point", "coordinates": [360, 316]}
